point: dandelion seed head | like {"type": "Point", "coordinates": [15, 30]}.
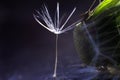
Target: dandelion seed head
{"type": "Point", "coordinates": [54, 25]}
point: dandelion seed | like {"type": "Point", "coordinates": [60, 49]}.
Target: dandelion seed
{"type": "Point", "coordinates": [54, 26]}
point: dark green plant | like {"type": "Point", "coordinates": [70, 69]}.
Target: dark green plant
{"type": "Point", "coordinates": [97, 38]}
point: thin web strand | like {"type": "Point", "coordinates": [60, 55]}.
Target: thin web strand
{"type": "Point", "coordinates": [42, 24]}
{"type": "Point", "coordinates": [48, 15]}
{"type": "Point", "coordinates": [68, 18]}
{"type": "Point", "coordinates": [58, 15]}
{"type": "Point", "coordinates": [47, 20]}
{"type": "Point", "coordinates": [71, 26]}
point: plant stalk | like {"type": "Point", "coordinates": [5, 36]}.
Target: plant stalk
{"type": "Point", "coordinates": [56, 57]}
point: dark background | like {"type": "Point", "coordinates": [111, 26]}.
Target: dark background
{"type": "Point", "coordinates": [27, 50]}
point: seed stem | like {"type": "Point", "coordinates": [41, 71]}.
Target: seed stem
{"type": "Point", "coordinates": [56, 57]}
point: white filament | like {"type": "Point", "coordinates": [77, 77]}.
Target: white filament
{"type": "Point", "coordinates": [56, 57]}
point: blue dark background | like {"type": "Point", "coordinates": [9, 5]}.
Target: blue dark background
{"type": "Point", "coordinates": [27, 50]}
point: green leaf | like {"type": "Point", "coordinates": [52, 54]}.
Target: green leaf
{"type": "Point", "coordinates": [104, 5]}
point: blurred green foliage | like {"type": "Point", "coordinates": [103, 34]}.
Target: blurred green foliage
{"type": "Point", "coordinates": [103, 25]}
{"type": "Point", "coordinates": [105, 5]}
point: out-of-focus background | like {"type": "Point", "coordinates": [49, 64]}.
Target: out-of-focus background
{"type": "Point", "coordinates": [27, 50]}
